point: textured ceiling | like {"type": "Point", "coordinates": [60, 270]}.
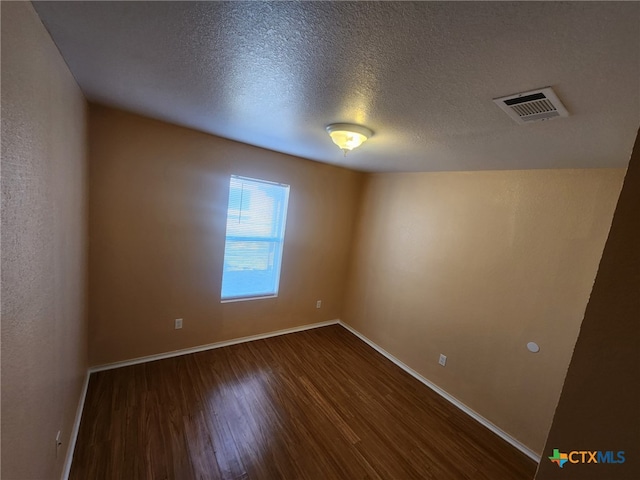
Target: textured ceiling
{"type": "Point", "coordinates": [421, 75]}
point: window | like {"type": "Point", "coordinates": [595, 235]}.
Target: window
{"type": "Point", "coordinates": [256, 218]}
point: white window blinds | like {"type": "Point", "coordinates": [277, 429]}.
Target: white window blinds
{"type": "Point", "coordinates": [256, 217]}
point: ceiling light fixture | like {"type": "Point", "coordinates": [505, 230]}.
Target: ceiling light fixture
{"type": "Point", "coordinates": [348, 136]}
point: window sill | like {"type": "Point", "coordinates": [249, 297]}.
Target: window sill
{"type": "Point", "coordinates": [245, 299]}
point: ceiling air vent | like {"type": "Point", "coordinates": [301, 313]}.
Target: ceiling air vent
{"type": "Point", "coordinates": [533, 106]}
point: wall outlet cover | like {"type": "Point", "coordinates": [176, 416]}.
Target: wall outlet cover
{"type": "Point", "coordinates": [443, 360]}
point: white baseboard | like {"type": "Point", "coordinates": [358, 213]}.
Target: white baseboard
{"type": "Point", "coordinates": [76, 427]}
{"type": "Point", "coordinates": [476, 416]}
{"type": "Point", "coordinates": [210, 346]}
{"type": "Point", "coordinates": [76, 424]}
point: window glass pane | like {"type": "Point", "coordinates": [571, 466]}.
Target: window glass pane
{"type": "Point", "coordinates": [256, 217]}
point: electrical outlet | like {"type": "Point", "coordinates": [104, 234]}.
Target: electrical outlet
{"type": "Point", "coordinates": [178, 323]}
{"type": "Point", "coordinates": [58, 442]}
{"type": "Point", "coordinates": [318, 303]}
{"type": "Point", "coordinates": [443, 360]}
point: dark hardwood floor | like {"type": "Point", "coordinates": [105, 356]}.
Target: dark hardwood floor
{"type": "Point", "coordinates": [319, 404]}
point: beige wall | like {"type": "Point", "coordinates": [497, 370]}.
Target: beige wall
{"type": "Point", "coordinates": [158, 200]}
{"type": "Point", "coordinates": [44, 342]}
{"type": "Point", "coordinates": [600, 402]}
{"type": "Point", "coordinates": [474, 265]}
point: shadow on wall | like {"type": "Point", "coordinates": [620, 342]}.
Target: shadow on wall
{"type": "Point", "coordinates": [599, 406]}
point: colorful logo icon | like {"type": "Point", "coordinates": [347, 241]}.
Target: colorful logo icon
{"type": "Point", "coordinates": [586, 456]}
{"type": "Point", "coordinates": [559, 458]}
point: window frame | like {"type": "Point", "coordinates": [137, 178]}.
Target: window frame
{"type": "Point", "coordinates": [278, 241]}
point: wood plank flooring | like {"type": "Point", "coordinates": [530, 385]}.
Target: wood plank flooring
{"type": "Point", "coordinates": [319, 405]}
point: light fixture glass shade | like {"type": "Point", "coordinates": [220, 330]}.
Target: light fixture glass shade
{"type": "Point", "coordinates": [347, 136]}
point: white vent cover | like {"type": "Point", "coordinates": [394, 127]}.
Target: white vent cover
{"type": "Point", "coordinates": [533, 106]}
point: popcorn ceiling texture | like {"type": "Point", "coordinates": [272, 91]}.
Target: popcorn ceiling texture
{"type": "Point", "coordinates": [44, 333]}
{"type": "Point", "coordinates": [422, 75]}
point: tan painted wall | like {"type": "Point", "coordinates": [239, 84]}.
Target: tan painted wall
{"type": "Point", "coordinates": [44, 332]}
{"type": "Point", "coordinates": [157, 224]}
{"type": "Point", "coordinates": [600, 401]}
{"type": "Point", "coordinates": [474, 265]}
